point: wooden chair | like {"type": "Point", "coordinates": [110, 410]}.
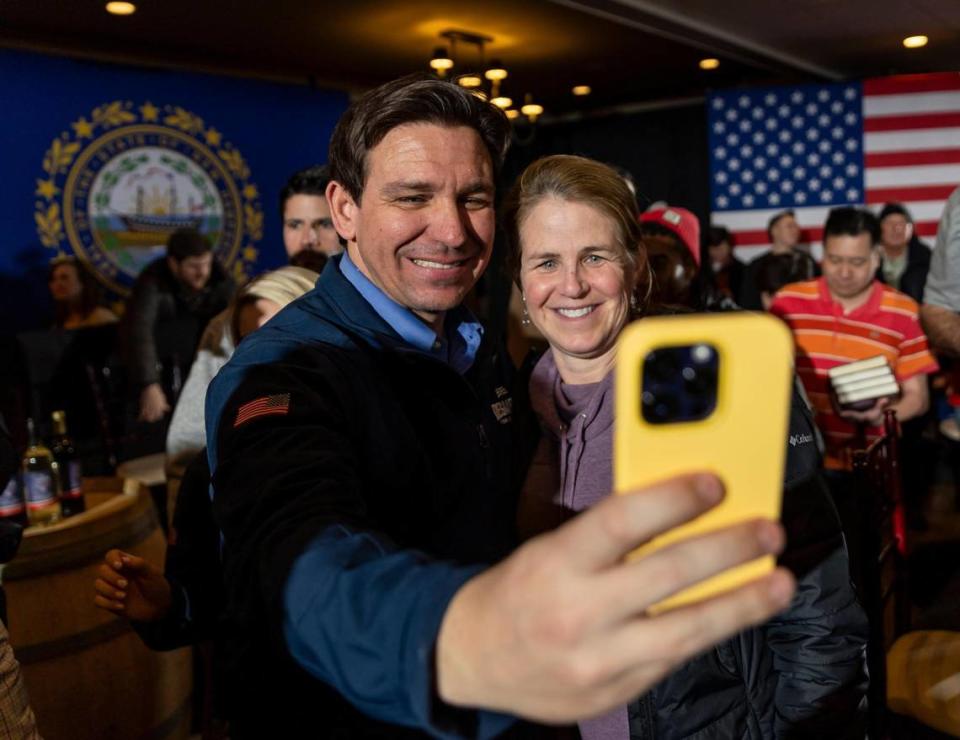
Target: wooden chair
{"type": "Point", "coordinates": [885, 547]}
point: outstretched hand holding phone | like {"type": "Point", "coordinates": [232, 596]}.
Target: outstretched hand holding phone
{"type": "Point", "coordinates": [560, 631]}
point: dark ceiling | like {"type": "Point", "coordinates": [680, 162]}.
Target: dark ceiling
{"type": "Point", "coordinates": [628, 51]}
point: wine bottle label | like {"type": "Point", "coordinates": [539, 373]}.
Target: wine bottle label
{"type": "Point", "coordinates": [72, 487]}
{"type": "Point", "coordinates": [39, 489]}
{"type": "Point", "coordinates": [10, 501]}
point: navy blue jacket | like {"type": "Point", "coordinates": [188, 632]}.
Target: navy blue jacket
{"type": "Point", "coordinates": [351, 518]}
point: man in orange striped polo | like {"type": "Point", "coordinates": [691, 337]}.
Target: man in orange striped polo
{"type": "Point", "coordinates": [848, 315]}
{"type": "Point", "coordinates": [844, 316]}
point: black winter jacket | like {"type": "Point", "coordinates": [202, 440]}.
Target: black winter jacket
{"type": "Point", "coordinates": [801, 675]}
{"type": "Point", "coordinates": [163, 320]}
{"type": "Point", "coordinates": [384, 452]}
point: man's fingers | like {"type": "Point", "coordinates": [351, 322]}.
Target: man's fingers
{"type": "Point", "coordinates": [672, 638]}
{"type": "Point", "coordinates": [107, 591]}
{"type": "Point", "coordinates": [110, 574]}
{"type": "Point", "coordinates": [605, 533]}
{"type": "Point", "coordinates": [629, 589]}
{"type": "Point", "coordinates": [111, 606]}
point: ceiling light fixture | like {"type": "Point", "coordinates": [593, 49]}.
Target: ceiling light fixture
{"type": "Point", "coordinates": [512, 113]}
{"type": "Point", "coordinates": [581, 90]}
{"type": "Point", "coordinates": [530, 109]}
{"type": "Point", "coordinates": [496, 71]}
{"type": "Point", "coordinates": [470, 81]}
{"type": "Point", "coordinates": [502, 102]}
{"type": "Point", "coordinates": [915, 42]}
{"type": "Point", "coordinates": [441, 61]}
{"type": "Point", "coordinates": [709, 63]}
{"type": "Point", "coordinates": [119, 8]}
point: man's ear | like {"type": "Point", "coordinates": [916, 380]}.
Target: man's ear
{"type": "Point", "coordinates": [343, 210]}
{"type": "Point", "coordinates": [173, 265]}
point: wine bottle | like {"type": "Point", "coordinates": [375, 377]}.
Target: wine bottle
{"type": "Point", "coordinates": [11, 501]}
{"type": "Point", "coordinates": [40, 480]}
{"type": "Point", "coordinates": [65, 455]}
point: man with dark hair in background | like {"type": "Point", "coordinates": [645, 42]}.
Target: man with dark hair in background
{"type": "Point", "coordinates": [366, 464]}
{"type": "Point", "coordinates": [905, 259]}
{"type": "Point", "coordinates": [784, 233]}
{"type": "Point", "coordinates": [172, 300]}
{"type": "Point", "coordinates": [306, 214]}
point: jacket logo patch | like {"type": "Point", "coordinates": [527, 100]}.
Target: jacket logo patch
{"type": "Point", "coordinates": [503, 410]}
{"type": "Point", "coordinates": [265, 406]}
{"type": "Point", "coordinates": [800, 439]}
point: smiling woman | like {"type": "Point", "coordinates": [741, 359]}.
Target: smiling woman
{"type": "Point", "coordinates": [577, 256]}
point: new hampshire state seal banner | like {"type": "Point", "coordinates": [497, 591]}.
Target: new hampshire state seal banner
{"type": "Point", "coordinates": [104, 162]}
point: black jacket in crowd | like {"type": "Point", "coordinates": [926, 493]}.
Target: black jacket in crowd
{"type": "Point", "coordinates": [914, 277]}
{"type": "Point", "coordinates": [164, 320]}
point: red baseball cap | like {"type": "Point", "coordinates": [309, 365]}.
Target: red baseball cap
{"type": "Point", "coordinates": [681, 222]}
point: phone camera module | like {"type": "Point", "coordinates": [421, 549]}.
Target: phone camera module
{"type": "Point", "coordinates": [679, 384]}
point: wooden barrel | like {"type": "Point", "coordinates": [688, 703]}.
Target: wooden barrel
{"type": "Point", "coordinates": [87, 673]}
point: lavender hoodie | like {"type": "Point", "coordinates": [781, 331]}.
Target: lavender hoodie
{"type": "Point", "coordinates": [577, 443]}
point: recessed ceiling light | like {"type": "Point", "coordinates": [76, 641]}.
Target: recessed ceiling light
{"type": "Point", "coordinates": [915, 42]}
{"type": "Point", "coordinates": [119, 8]}
{"type": "Point", "coordinates": [582, 90]}
{"type": "Point", "coordinates": [710, 63]}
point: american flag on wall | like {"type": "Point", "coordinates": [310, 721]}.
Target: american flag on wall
{"type": "Point", "coordinates": [812, 147]}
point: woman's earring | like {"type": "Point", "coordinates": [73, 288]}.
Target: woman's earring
{"type": "Point", "coordinates": [525, 319]}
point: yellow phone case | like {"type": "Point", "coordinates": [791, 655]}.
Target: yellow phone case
{"type": "Point", "coordinates": [743, 441]}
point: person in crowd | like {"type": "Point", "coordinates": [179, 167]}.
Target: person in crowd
{"type": "Point", "coordinates": [845, 316]}
{"type": "Point", "coordinates": [254, 304]}
{"type": "Point", "coordinates": [905, 260]}
{"type": "Point", "coordinates": [940, 312]}
{"type": "Point", "coordinates": [16, 716]}
{"type": "Point", "coordinates": [578, 256]}
{"type": "Point", "coordinates": [172, 301]}
{"type": "Point", "coordinates": [784, 233]}
{"type": "Point", "coordinates": [306, 214]}
{"type": "Point", "coordinates": [728, 271]}
{"type": "Point", "coordinates": [364, 451]}
{"type": "Point", "coordinates": [679, 283]}
{"type": "Point", "coordinates": [76, 296]}
{"type": "Point", "coordinates": [781, 270]}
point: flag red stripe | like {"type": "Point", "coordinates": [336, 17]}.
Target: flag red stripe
{"type": "Point", "coordinates": [900, 195]}
{"type": "Point", "coordinates": [905, 84]}
{"type": "Point", "coordinates": [907, 159]}
{"type": "Point", "coordinates": [262, 412]}
{"type": "Point", "coordinates": [752, 238]}
{"type": "Point", "coordinates": [912, 122]}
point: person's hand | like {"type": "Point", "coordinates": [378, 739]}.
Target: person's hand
{"type": "Point", "coordinates": [872, 416]}
{"type": "Point", "coordinates": [559, 631]}
{"type": "Point", "coordinates": [153, 403]}
{"type": "Point", "coordinates": [131, 587]}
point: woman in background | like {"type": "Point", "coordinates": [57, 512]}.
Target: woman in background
{"type": "Point", "coordinates": [76, 296]}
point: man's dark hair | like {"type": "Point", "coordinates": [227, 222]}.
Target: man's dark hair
{"type": "Point", "coordinates": [185, 243]}
{"type": "Point", "coordinates": [895, 208]}
{"type": "Point", "coordinates": [776, 270]}
{"type": "Point", "coordinates": [715, 235]}
{"type": "Point", "coordinates": [850, 221]}
{"type": "Point", "coordinates": [412, 99]}
{"type": "Point", "coordinates": [310, 181]}
{"type": "Point", "coordinates": [776, 217]}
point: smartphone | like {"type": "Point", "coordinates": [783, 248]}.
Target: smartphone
{"type": "Point", "coordinates": [705, 392]}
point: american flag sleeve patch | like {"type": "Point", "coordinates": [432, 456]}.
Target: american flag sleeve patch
{"type": "Point", "coordinates": [264, 406]}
